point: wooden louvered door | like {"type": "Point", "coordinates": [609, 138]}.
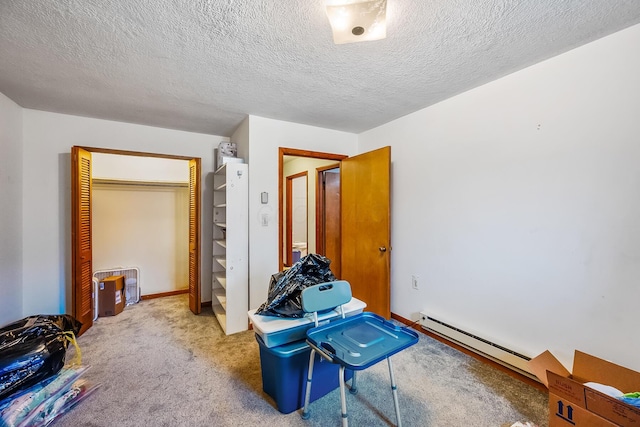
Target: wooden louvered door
{"type": "Point", "coordinates": [81, 277]}
{"type": "Point", "coordinates": [194, 236]}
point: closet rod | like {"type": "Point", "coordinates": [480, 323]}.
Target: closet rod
{"type": "Point", "coordinates": [165, 184]}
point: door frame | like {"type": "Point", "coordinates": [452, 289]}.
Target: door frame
{"type": "Point", "coordinates": [74, 195]}
{"type": "Point", "coordinates": [289, 215]}
{"type": "Point", "coordinates": [284, 151]}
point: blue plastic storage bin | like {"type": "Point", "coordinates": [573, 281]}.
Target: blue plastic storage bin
{"type": "Point", "coordinates": [284, 374]}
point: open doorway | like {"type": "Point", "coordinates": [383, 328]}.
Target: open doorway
{"type": "Point", "coordinates": [140, 221]}
{"type": "Point", "coordinates": [365, 222]}
{"type": "Point", "coordinates": [297, 217]}
{"type": "Point", "coordinates": [293, 162]}
{"type": "Point", "coordinates": [81, 229]}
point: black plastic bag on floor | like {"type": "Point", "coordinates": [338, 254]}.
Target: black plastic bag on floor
{"type": "Point", "coordinates": [33, 349]}
{"type": "Point", "coordinates": [285, 288]}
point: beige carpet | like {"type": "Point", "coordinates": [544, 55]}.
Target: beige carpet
{"type": "Point", "coordinates": [160, 365]}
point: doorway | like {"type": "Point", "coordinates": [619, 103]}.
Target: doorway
{"type": "Point", "coordinates": [286, 157]}
{"type": "Point", "coordinates": [365, 223]}
{"type": "Point", "coordinates": [140, 219]}
{"type": "Point", "coordinates": [297, 222]}
{"type": "Point", "coordinates": [81, 229]}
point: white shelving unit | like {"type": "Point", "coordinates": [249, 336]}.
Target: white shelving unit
{"type": "Point", "coordinates": [230, 282]}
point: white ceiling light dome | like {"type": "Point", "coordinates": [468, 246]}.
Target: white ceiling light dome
{"type": "Point", "coordinates": [355, 21]}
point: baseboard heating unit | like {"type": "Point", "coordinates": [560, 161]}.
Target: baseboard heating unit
{"type": "Point", "coordinates": [500, 354]}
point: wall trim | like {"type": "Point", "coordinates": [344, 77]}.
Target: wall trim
{"type": "Point", "coordinates": [165, 294]}
{"type": "Point", "coordinates": [418, 327]}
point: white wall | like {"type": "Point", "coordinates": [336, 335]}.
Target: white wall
{"type": "Point", "coordinates": [48, 138]}
{"type": "Point", "coordinates": [299, 211]}
{"type": "Point", "coordinates": [136, 168]}
{"type": "Point", "coordinates": [10, 211]}
{"type": "Point", "coordinates": [145, 227]}
{"type": "Point", "coordinates": [241, 138]}
{"type": "Point", "coordinates": [265, 137]}
{"type": "Point", "coordinates": [518, 205]}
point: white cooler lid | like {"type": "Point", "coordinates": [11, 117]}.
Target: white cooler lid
{"type": "Point", "coordinates": [271, 324]}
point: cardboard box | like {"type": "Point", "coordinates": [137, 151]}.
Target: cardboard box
{"type": "Point", "coordinates": [111, 296]}
{"type": "Point", "coordinates": [571, 403]}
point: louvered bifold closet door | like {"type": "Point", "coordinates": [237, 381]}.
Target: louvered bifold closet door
{"type": "Point", "coordinates": [194, 236]}
{"type": "Point", "coordinates": [82, 284]}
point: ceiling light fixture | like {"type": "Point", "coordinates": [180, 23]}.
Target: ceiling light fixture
{"type": "Point", "coordinates": [357, 20]}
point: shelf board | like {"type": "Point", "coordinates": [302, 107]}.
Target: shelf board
{"type": "Point", "coordinates": [221, 315]}
{"type": "Point", "coordinates": [221, 169]}
{"type": "Point", "coordinates": [221, 205]}
{"type": "Point", "coordinates": [221, 296]}
{"type": "Point", "coordinates": [221, 187]}
{"type": "Point", "coordinates": [221, 224]}
{"type": "Point", "coordinates": [221, 242]}
{"type": "Point", "coordinates": [221, 278]}
{"type": "Point", "coordinates": [170, 184]}
{"type": "Point", "coordinates": [221, 260]}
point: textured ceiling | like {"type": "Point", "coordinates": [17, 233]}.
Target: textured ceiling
{"type": "Point", "coordinates": [203, 65]}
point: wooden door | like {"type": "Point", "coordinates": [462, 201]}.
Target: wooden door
{"type": "Point", "coordinates": [365, 190]}
{"type": "Point", "coordinates": [81, 256]}
{"type": "Point", "coordinates": [194, 236]}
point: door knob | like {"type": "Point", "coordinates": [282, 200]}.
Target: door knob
{"type": "Point", "coordinates": [382, 249]}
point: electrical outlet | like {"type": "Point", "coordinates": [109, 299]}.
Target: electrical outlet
{"type": "Point", "coordinates": [414, 282]}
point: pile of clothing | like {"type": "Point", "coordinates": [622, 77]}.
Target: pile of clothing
{"type": "Point", "coordinates": [37, 384]}
{"type": "Point", "coordinates": [631, 398]}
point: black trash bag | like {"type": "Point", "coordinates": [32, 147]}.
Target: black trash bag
{"type": "Point", "coordinates": [285, 287]}
{"type": "Point", "coordinates": [33, 349]}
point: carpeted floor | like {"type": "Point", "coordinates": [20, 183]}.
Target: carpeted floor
{"type": "Point", "coordinates": [160, 365]}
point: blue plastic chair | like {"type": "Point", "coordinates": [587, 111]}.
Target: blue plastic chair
{"type": "Point", "coordinates": [355, 343]}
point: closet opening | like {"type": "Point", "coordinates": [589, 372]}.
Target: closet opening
{"type": "Point", "coordinates": [142, 207]}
